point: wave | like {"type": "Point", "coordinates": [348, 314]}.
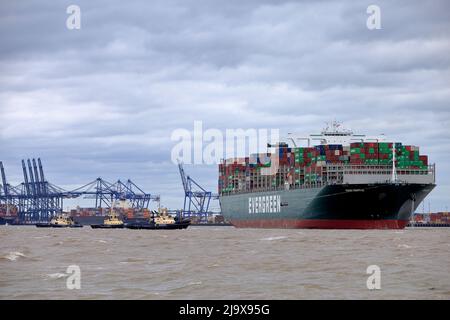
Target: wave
{"type": "Point", "coordinates": [131, 260]}
{"type": "Point", "coordinates": [41, 237]}
{"type": "Point", "coordinates": [273, 238]}
{"type": "Point", "coordinates": [13, 256]}
{"type": "Point", "coordinates": [213, 265]}
{"type": "Point", "coordinates": [57, 275]}
{"type": "Point", "coordinates": [175, 286]}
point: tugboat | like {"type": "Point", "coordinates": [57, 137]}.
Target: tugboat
{"type": "Point", "coordinates": [61, 221]}
{"type": "Point", "coordinates": [112, 221]}
{"type": "Point", "coordinates": [161, 220]}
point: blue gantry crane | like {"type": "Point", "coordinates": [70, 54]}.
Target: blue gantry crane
{"type": "Point", "coordinates": [106, 193]}
{"type": "Point", "coordinates": [8, 193]}
{"type": "Point", "coordinates": [135, 195]}
{"type": "Point", "coordinates": [196, 199]}
{"type": "Point", "coordinates": [4, 186]}
{"type": "Point", "coordinates": [38, 200]}
{"type": "Point", "coordinates": [35, 199]}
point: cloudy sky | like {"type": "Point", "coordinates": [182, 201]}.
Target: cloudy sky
{"type": "Point", "coordinates": [104, 100]}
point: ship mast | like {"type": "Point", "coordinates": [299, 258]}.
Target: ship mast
{"type": "Point", "coordinates": [394, 169]}
{"type": "Point", "coordinates": [113, 204]}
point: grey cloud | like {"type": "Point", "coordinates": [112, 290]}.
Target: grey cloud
{"type": "Point", "coordinates": [104, 100]}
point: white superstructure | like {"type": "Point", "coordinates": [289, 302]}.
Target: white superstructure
{"type": "Point", "coordinates": [333, 133]}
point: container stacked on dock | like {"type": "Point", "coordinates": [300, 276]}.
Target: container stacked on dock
{"type": "Point", "coordinates": [435, 218]}
{"type": "Point", "coordinates": [8, 210]}
{"type": "Point", "coordinates": [101, 212]}
{"type": "Point", "coordinates": [439, 217]}
{"type": "Point", "coordinates": [8, 213]}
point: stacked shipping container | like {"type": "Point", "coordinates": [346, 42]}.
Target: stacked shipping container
{"type": "Point", "coordinates": [11, 210]}
{"type": "Point", "coordinates": [432, 218]}
{"type": "Point", "coordinates": [439, 217]}
{"type": "Point", "coordinates": [407, 157]}
{"type": "Point", "coordinates": [307, 165]}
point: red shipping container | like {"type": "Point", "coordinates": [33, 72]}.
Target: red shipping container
{"type": "Point", "coordinates": [355, 145]}
{"type": "Point", "coordinates": [424, 159]}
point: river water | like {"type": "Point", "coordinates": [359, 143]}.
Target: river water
{"type": "Point", "coordinates": [223, 263]}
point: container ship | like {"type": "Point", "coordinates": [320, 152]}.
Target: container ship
{"type": "Point", "coordinates": [340, 180]}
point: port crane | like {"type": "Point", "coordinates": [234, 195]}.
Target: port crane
{"type": "Point", "coordinates": [196, 199]}
{"type": "Point", "coordinates": [8, 193]}
{"type": "Point", "coordinates": [106, 193]}
{"type": "Point", "coordinates": [38, 200]}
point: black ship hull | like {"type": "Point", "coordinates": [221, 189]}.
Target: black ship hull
{"type": "Point", "coordinates": [355, 206]}
{"type": "Point", "coordinates": [49, 225]}
{"type": "Point", "coordinates": [154, 226]}
{"type": "Point", "coordinates": [107, 226]}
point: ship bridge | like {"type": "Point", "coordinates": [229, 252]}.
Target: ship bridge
{"type": "Point", "coordinates": [333, 133]}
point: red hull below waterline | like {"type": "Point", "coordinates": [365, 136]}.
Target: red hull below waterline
{"type": "Point", "coordinates": [320, 224]}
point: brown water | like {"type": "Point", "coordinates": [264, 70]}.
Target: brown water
{"type": "Point", "coordinates": [224, 263]}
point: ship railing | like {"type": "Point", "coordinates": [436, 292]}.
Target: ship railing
{"type": "Point", "coordinates": [386, 169]}
{"type": "Point", "coordinates": [278, 188]}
